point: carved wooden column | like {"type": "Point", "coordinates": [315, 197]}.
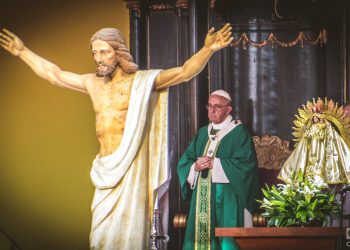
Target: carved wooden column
{"type": "Point", "coordinates": [180, 124]}
{"type": "Point", "coordinates": [138, 34]}
{"type": "Point", "coordinates": [198, 24]}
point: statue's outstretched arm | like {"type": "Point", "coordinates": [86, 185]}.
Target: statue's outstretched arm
{"type": "Point", "coordinates": [214, 41]}
{"type": "Point", "coordinates": [39, 65]}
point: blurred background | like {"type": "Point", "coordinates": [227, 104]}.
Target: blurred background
{"type": "Point", "coordinates": [47, 133]}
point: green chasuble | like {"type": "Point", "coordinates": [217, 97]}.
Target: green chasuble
{"type": "Point", "coordinates": [223, 202]}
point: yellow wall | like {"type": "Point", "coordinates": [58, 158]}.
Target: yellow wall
{"type": "Point", "coordinates": [47, 133]}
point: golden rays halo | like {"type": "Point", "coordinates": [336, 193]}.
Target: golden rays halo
{"type": "Point", "coordinates": [330, 110]}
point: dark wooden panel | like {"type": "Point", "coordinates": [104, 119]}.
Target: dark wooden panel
{"type": "Point", "coordinates": [278, 232]}
{"type": "Point", "coordinates": [327, 243]}
{"type": "Point", "coordinates": [286, 238]}
{"type": "Point", "coordinates": [163, 34]}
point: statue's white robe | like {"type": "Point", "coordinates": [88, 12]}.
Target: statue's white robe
{"type": "Point", "coordinates": [127, 180]}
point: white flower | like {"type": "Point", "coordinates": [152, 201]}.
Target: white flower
{"type": "Point", "coordinates": [317, 181]}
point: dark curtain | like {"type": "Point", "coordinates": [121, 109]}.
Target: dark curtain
{"type": "Point", "coordinates": [269, 84]}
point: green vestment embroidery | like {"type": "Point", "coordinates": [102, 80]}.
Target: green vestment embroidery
{"type": "Point", "coordinates": [202, 238]}
{"type": "Point", "coordinates": [202, 241]}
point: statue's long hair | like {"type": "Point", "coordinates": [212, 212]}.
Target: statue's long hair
{"type": "Point", "coordinates": [116, 39]}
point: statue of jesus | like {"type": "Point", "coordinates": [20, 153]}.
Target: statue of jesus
{"type": "Point", "coordinates": [130, 106]}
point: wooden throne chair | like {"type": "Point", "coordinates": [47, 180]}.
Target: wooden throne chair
{"type": "Point", "coordinates": [271, 152]}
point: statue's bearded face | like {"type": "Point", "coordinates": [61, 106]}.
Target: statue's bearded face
{"type": "Point", "coordinates": [105, 58]}
{"type": "Point", "coordinates": [104, 69]}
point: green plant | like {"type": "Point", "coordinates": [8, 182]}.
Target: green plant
{"type": "Point", "coordinates": [303, 203]}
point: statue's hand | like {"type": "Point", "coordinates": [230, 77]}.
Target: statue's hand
{"type": "Point", "coordinates": [11, 42]}
{"type": "Point", "coordinates": [220, 39]}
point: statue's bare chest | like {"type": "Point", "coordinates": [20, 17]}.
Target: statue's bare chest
{"type": "Point", "coordinates": [112, 96]}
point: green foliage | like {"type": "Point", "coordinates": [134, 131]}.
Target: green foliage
{"type": "Point", "coordinates": [302, 203]}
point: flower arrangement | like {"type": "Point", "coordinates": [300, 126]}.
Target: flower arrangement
{"type": "Point", "coordinates": [304, 203]}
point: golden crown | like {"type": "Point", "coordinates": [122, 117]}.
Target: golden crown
{"type": "Point", "coordinates": [329, 110]}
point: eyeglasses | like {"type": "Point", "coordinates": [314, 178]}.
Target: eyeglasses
{"type": "Point", "coordinates": [215, 107]}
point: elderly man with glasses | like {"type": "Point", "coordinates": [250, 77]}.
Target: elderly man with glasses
{"type": "Point", "coordinates": [218, 174]}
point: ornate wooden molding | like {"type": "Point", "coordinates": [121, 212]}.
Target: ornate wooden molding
{"type": "Point", "coordinates": [182, 4]}
{"type": "Point", "coordinates": [271, 151]}
{"type": "Point", "coordinates": [212, 4]}
{"type": "Point", "coordinates": [134, 6]}
{"type": "Point", "coordinates": [272, 40]}
{"type": "Point", "coordinates": [161, 7]}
